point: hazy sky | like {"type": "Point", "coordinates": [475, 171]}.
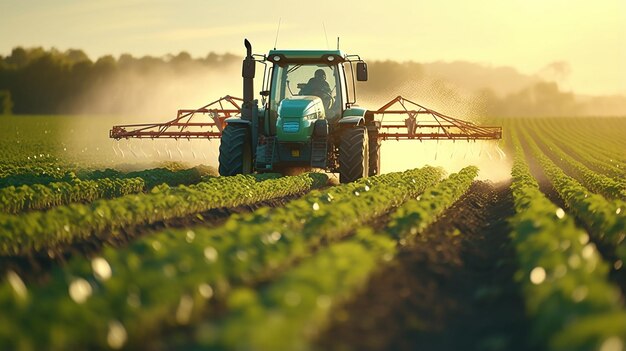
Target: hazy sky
{"type": "Point", "coordinates": [590, 36]}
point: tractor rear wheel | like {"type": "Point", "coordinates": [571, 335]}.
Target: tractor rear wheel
{"type": "Point", "coordinates": [235, 151]}
{"type": "Point", "coordinates": [374, 146]}
{"type": "Point", "coordinates": [353, 155]}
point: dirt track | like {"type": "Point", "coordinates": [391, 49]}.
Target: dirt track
{"type": "Point", "coordinates": [451, 288]}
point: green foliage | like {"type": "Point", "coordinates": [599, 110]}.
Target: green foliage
{"type": "Point", "coordinates": [606, 218]}
{"type": "Point", "coordinates": [414, 216]}
{"type": "Point", "coordinates": [564, 279]}
{"type": "Point", "coordinates": [64, 225]}
{"type": "Point", "coordinates": [296, 306]}
{"type": "Point", "coordinates": [153, 277]}
{"type": "Point", "coordinates": [39, 197]}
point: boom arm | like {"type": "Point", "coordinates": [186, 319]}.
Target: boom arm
{"type": "Point", "coordinates": [421, 123]}
{"type": "Point", "coordinates": [182, 126]}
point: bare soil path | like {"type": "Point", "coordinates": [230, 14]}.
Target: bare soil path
{"type": "Point", "coordinates": [451, 288]}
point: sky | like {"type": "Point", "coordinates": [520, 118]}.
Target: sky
{"type": "Point", "coordinates": [583, 41]}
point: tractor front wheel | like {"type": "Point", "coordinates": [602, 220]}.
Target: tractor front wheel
{"type": "Point", "coordinates": [235, 151]}
{"type": "Point", "coordinates": [353, 155]}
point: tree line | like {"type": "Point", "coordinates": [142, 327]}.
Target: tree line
{"type": "Point", "coordinates": [39, 81]}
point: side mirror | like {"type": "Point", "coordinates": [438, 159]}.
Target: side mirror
{"type": "Point", "coordinates": [264, 93]}
{"type": "Point", "coordinates": [361, 71]}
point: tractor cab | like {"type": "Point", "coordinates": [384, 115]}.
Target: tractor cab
{"type": "Point", "coordinates": [315, 76]}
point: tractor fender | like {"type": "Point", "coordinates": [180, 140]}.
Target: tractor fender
{"type": "Point", "coordinates": [352, 121]}
{"type": "Point", "coordinates": [237, 120]}
{"type": "Point", "coordinates": [354, 116]}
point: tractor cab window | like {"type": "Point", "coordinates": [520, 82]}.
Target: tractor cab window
{"type": "Point", "coordinates": [307, 80]}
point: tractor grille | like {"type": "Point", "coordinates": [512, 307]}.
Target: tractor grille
{"type": "Point", "coordinates": [291, 127]}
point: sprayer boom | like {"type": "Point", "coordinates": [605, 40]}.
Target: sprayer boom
{"type": "Point", "coordinates": [185, 125]}
{"type": "Point", "coordinates": [422, 123]}
{"type": "Point", "coordinates": [419, 123]}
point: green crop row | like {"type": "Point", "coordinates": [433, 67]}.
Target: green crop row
{"type": "Point", "coordinates": [64, 225]}
{"type": "Point", "coordinates": [593, 181]}
{"type": "Point", "coordinates": [27, 175]}
{"type": "Point", "coordinates": [605, 218]}
{"type": "Point", "coordinates": [588, 157]}
{"type": "Point", "coordinates": [564, 280]}
{"type": "Point", "coordinates": [417, 214]}
{"type": "Point", "coordinates": [166, 278]}
{"type": "Point", "coordinates": [92, 185]}
{"type": "Point", "coordinates": [292, 309]}
{"type": "Point", "coordinates": [602, 144]}
{"type": "Point", "coordinates": [40, 197]}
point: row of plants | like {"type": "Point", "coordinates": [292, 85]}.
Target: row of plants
{"type": "Point", "coordinates": [40, 197]}
{"type": "Point", "coordinates": [604, 141]}
{"type": "Point", "coordinates": [606, 219]}
{"type": "Point", "coordinates": [61, 226]}
{"type": "Point", "coordinates": [296, 307]}
{"type": "Point", "coordinates": [92, 185]}
{"type": "Point", "coordinates": [53, 174]}
{"type": "Point", "coordinates": [598, 154]}
{"type": "Point", "coordinates": [170, 278]}
{"type": "Point", "coordinates": [596, 182]}
{"type": "Point", "coordinates": [564, 279]}
{"type": "Point", "coordinates": [582, 152]}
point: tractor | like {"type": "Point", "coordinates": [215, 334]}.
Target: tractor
{"type": "Point", "coordinates": [307, 118]}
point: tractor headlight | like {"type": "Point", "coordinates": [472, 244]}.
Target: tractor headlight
{"type": "Point", "coordinates": [310, 117]}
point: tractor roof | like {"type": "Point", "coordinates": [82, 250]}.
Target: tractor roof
{"type": "Point", "coordinates": [305, 56]}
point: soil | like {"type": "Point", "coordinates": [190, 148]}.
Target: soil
{"type": "Point", "coordinates": [537, 172]}
{"type": "Point", "coordinates": [450, 288]}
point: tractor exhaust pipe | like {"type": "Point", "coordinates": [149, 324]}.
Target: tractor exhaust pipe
{"type": "Point", "coordinates": [247, 72]}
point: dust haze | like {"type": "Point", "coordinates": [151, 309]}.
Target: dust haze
{"type": "Point", "coordinates": [451, 100]}
{"type": "Point", "coordinates": [132, 97]}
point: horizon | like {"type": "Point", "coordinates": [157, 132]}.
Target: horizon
{"type": "Point", "coordinates": [580, 45]}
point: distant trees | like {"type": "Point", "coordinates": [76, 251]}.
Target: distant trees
{"type": "Point", "coordinates": [38, 81]}
{"type": "Point", "coordinates": [6, 104]}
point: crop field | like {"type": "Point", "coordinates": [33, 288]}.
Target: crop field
{"type": "Point", "coordinates": [99, 250]}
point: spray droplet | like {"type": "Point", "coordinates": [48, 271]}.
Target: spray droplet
{"type": "Point", "coordinates": [210, 254]}
{"type": "Point", "coordinates": [537, 275]}
{"type": "Point", "coordinates": [316, 206]}
{"type": "Point", "coordinates": [80, 290]}
{"type": "Point", "coordinates": [116, 337]}
{"type": "Point", "coordinates": [185, 307]}
{"type": "Point", "coordinates": [205, 291]}
{"type": "Point", "coordinates": [560, 213]}
{"type": "Point", "coordinates": [190, 236]}
{"type": "Point", "coordinates": [613, 343]}
{"type": "Point", "coordinates": [17, 284]}
{"type": "Point", "coordinates": [101, 268]}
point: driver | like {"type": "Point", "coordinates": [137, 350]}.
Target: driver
{"type": "Point", "coordinates": [318, 86]}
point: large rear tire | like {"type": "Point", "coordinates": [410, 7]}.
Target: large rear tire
{"type": "Point", "coordinates": [353, 155]}
{"type": "Point", "coordinates": [235, 151]}
{"type": "Point", "coordinates": [374, 146]}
